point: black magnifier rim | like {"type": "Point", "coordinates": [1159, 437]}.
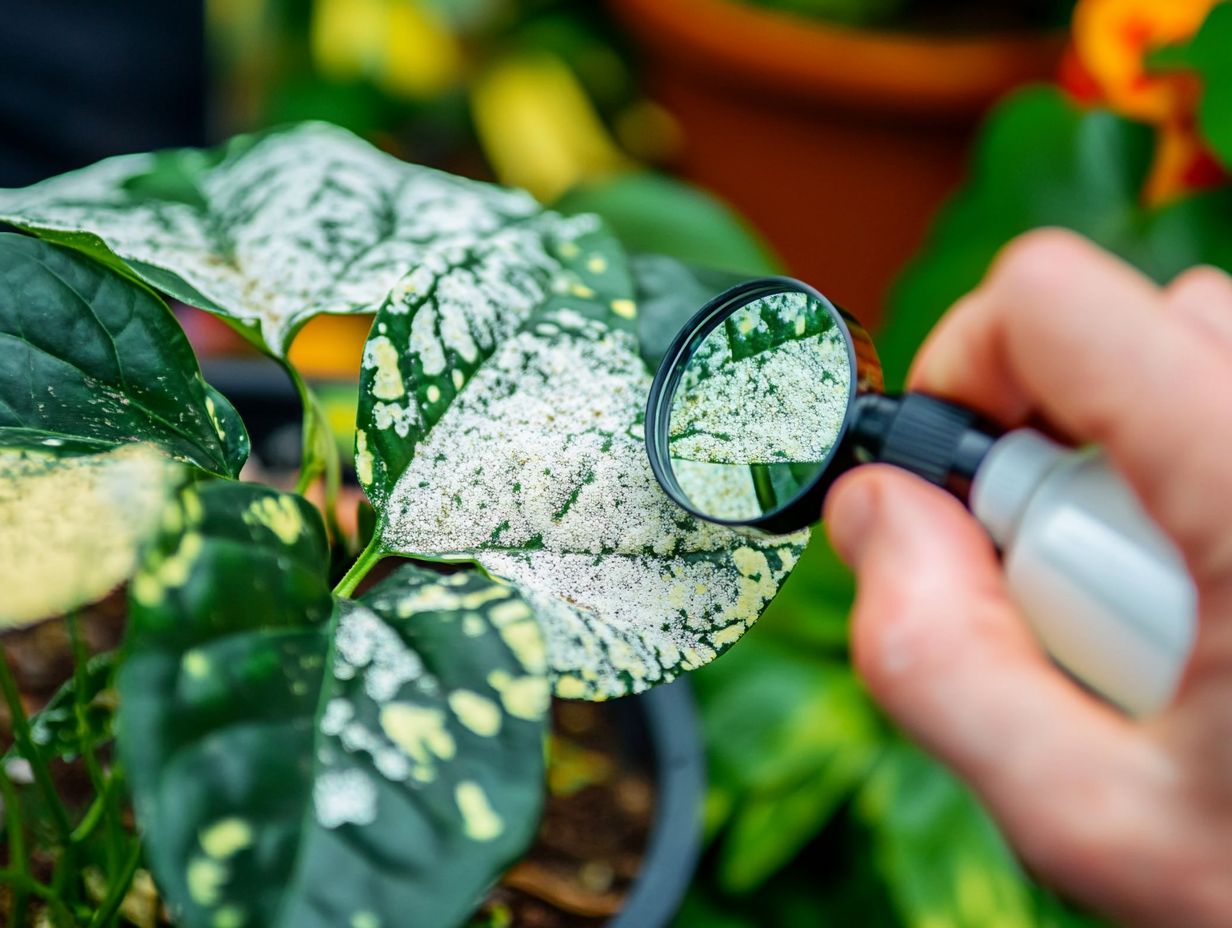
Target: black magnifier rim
{"type": "Point", "coordinates": [805, 508]}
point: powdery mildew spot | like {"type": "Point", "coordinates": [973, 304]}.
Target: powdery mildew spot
{"type": "Point", "coordinates": [537, 472]}
{"type": "Point", "coordinates": [421, 723]}
{"type": "Point", "coordinates": [344, 797]}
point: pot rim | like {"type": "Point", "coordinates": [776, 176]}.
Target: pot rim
{"type": "Point", "coordinates": [675, 841]}
{"type": "Point", "coordinates": [751, 48]}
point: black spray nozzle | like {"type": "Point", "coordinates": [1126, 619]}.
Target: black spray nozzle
{"type": "Point", "coordinates": [936, 440]}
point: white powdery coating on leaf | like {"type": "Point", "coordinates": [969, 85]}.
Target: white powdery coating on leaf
{"type": "Point", "coordinates": [317, 221]}
{"type": "Point", "coordinates": [344, 797]}
{"type": "Point", "coordinates": [786, 404]}
{"type": "Point", "coordinates": [537, 472]}
{"type": "Point", "coordinates": [471, 295]}
{"type": "Point", "coordinates": [365, 645]}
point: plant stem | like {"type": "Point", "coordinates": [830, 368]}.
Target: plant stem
{"type": "Point", "coordinates": [319, 452]}
{"type": "Point", "coordinates": [17, 846]}
{"type": "Point", "coordinates": [33, 887]}
{"type": "Point", "coordinates": [28, 750]}
{"type": "Point", "coordinates": [118, 889]}
{"type": "Point", "coordinates": [89, 756]}
{"type": "Point", "coordinates": [367, 560]}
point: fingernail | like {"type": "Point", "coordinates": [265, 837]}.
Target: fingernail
{"type": "Point", "coordinates": [851, 510]}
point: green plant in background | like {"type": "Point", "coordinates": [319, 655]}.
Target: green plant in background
{"type": "Point", "coordinates": [296, 756]}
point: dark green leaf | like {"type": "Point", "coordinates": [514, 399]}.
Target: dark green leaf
{"type": "Point", "coordinates": [292, 772]}
{"type": "Point", "coordinates": [89, 355]}
{"type": "Point", "coordinates": [669, 294]}
{"type": "Point", "coordinates": [656, 213]}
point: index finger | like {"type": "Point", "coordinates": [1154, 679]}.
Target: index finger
{"type": "Point", "coordinates": [1062, 329]}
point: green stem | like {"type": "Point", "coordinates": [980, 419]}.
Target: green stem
{"type": "Point", "coordinates": [367, 560]}
{"type": "Point", "coordinates": [33, 887]}
{"type": "Point", "coordinates": [17, 846]}
{"type": "Point", "coordinates": [118, 889]}
{"type": "Point", "coordinates": [319, 454]}
{"type": "Point", "coordinates": [27, 749]}
{"type": "Point", "coordinates": [94, 769]}
{"type": "Point", "coordinates": [763, 487]}
{"type": "Point", "coordinates": [314, 452]}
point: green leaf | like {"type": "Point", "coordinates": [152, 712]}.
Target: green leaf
{"type": "Point", "coordinates": [942, 857]}
{"type": "Point", "coordinates": [669, 294]}
{"type": "Point", "coordinates": [271, 229]}
{"type": "Point", "coordinates": [54, 728]}
{"type": "Point", "coordinates": [71, 522]}
{"type": "Point", "coordinates": [1042, 161]}
{"type": "Point", "coordinates": [510, 435]}
{"type": "Point", "coordinates": [297, 762]}
{"type": "Point", "coordinates": [92, 357]}
{"type": "Point", "coordinates": [1207, 53]}
{"type": "Point", "coordinates": [657, 213]}
{"type": "Point", "coordinates": [790, 737]}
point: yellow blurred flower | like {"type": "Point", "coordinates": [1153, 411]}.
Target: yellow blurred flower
{"type": "Point", "coordinates": [400, 45]}
{"type": "Point", "coordinates": [538, 128]}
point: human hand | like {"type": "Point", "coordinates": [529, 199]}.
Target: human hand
{"type": "Point", "coordinates": [1133, 818]}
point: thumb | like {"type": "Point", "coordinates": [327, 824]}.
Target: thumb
{"type": "Point", "coordinates": [944, 651]}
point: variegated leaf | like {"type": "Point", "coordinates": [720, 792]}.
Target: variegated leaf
{"type": "Point", "coordinates": [296, 770]}
{"type": "Point", "coordinates": [71, 522]}
{"type": "Point", "coordinates": [532, 464]}
{"type": "Point", "coordinates": [447, 318]}
{"type": "Point", "coordinates": [271, 229]}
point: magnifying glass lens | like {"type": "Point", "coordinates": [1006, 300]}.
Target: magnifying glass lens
{"type": "Point", "coordinates": [759, 406]}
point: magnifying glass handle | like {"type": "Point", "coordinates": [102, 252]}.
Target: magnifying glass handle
{"type": "Point", "coordinates": [1104, 589]}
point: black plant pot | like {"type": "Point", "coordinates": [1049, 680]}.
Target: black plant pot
{"type": "Point", "coordinates": [659, 729]}
{"type": "Point", "coordinates": [677, 763]}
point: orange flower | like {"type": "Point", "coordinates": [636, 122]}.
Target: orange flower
{"type": "Point", "coordinates": [1111, 40]}
{"type": "Point", "coordinates": [1106, 64]}
{"type": "Point", "coordinates": [1182, 164]}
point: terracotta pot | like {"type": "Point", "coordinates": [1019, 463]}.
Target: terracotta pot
{"type": "Point", "coordinates": [838, 143]}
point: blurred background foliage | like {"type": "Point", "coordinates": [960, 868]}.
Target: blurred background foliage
{"type": "Point", "coordinates": [819, 812]}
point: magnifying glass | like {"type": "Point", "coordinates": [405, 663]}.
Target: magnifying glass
{"type": "Point", "coordinates": [771, 392]}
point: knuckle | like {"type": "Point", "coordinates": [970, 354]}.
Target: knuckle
{"type": "Point", "coordinates": [1202, 280]}
{"type": "Point", "coordinates": [1037, 260]}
